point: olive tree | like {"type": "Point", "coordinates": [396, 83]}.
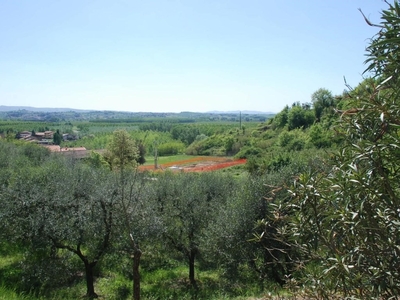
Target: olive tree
{"type": "Point", "coordinates": [187, 202]}
{"type": "Point", "coordinates": [136, 222]}
{"type": "Point", "coordinates": [63, 206]}
{"type": "Point", "coordinates": [228, 236]}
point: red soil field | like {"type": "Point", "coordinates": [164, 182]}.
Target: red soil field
{"type": "Point", "coordinates": [198, 164]}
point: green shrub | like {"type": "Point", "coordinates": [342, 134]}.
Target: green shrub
{"type": "Point", "coordinates": [170, 148]}
{"type": "Point", "coordinates": [294, 140]}
{"type": "Point", "coordinates": [320, 137]}
{"type": "Point", "coordinates": [247, 152]}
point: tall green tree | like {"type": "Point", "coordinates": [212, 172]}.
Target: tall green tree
{"type": "Point", "coordinates": [322, 99]}
{"type": "Point", "coordinates": [280, 120]}
{"type": "Point", "coordinates": [122, 152]}
{"type": "Point", "coordinates": [299, 117]}
{"type": "Point", "coordinates": [141, 159]}
{"type": "Point", "coordinates": [57, 137]}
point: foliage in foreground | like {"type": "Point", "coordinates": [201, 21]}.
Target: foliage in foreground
{"type": "Point", "coordinates": [72, 222]}
{"type": "Point", "coordinates": [343, 216]}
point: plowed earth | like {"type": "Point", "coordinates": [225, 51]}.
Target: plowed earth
{"type": "Point", "coordinates": [197, 164]}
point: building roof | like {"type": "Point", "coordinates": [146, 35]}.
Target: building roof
{"type": "Point", "coordinates": [73, 149]}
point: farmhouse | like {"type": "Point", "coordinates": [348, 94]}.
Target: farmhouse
{"type": "Point", "coordinates": [76, 152]}
{"type": "Point", "coordinates": [48, 134]}
{"type": "Point", "coordinates": [24, 134]}
{"type": "Point", "coordinates": [39, 135]}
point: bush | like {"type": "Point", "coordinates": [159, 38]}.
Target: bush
{"type": "Point", "coordinates": [294, 140]}
{"type": "Point", "coordinates": [247, 152]}
{"type": "Point", "coordinates": [171, 148]}
{"type": "Point", "coordinates": [320, 137]}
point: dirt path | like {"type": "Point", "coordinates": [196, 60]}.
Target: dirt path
{"type": "Point", "coordinates": [198, 164]}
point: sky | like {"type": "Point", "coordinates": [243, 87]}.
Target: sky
{"type": "Point", "coordinates": [180, 55]}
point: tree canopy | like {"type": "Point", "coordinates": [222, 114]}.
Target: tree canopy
{"type": "Point", "coordinates": [122, 151]}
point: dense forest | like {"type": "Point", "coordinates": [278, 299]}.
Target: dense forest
{"type": "Point", "coordinates": [314, 212]}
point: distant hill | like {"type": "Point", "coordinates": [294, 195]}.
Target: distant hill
{"type": "Point", "coordinates": [4, 108]}
{"type": "Point", "coordinates": [41, 109]}
{"type": "Point", "coordinates": [28, 113]}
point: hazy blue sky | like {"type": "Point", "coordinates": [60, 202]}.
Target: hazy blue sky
{"type": "Point", "coordinates": [176, 55]}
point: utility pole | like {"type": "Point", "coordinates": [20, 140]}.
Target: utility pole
{"type": "Point", "coordinates": [155, 155]}
{"type": "Point", "coordinates": [240, 120]}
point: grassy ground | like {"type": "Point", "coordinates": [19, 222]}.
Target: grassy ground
{"type": "Point", "coordinates": [170, 282]}
{"type": "Point", "coordinates": [8, 294]}
{"type": "Point", "coordinates": [168, 159]}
